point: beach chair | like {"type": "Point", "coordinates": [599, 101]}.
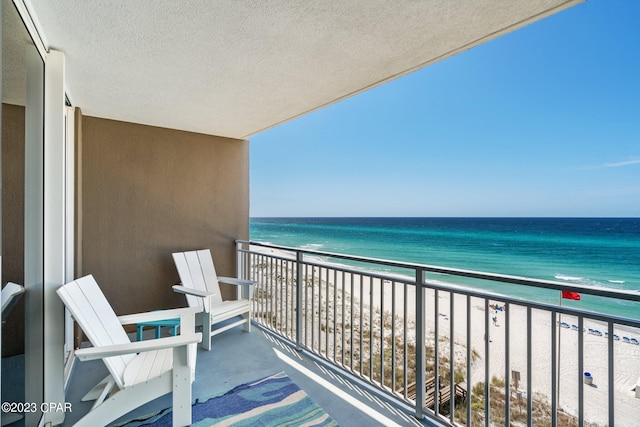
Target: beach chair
{"type": "Point", "coordinates": [139, 371]}
{"type": "Point", "coordinates": [199, 282]}
{"type": "Point", "coordinates": [9, 297]}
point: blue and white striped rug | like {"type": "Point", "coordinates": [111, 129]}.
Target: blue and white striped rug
{"type": "Point", "coordinates": [271, 401]}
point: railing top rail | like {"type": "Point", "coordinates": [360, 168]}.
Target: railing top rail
{"type": "Point", "coordinates": [503, 278]}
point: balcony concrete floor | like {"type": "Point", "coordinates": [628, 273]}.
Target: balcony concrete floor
{"type": "Point", "coordinates": [239, 357]}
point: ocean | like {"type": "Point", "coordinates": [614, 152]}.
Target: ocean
{"type": "Point", "coordinates": [603, 252]}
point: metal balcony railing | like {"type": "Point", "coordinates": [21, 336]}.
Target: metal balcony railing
{"type": "Point", "coordinates": [459, 354]}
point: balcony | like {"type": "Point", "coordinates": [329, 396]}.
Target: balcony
{"type": "Point", "coordinates": [238, 357]}
{"type": "Point", "coordinates": [350, 337]}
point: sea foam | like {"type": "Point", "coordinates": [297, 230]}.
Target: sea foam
{"type": "Point", "coordinates": [568, 278]}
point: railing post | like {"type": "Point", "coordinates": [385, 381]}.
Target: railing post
{"type": "Point", "coordinates": [420, 344]}
{"type": "Point", "coordinates": [239, 261]}
{"type": "Point", "coordinates": [299, 300]}
{"type": "Point", "coordinates": [239, 268]}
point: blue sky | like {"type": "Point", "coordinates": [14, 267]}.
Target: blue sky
{"type": "Point", "coordinates": [544, 121]}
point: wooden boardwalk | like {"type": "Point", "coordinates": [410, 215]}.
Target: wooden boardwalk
{"type": "Point", "coordinates": [444, 394]}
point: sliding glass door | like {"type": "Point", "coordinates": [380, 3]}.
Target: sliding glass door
{"type": "Point", "coordinates": [22, 210]}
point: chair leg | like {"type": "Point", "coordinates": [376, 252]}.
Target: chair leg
{"type": "Point", "coordinates": [125, 401]}
{"type": "Point", "coordinates": [100, 391]}
{"type": "Point", "coordinates": [181, 387]}
{"type": "Point", "coordinates": [247, 324]}
{"type": "Point", "coordinates": [105, 392]}
{"type": "Point", "coordinates": [206, 332]}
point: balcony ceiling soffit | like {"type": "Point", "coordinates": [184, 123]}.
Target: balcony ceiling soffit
{"type": "Point", "coordinates": [234, 67]}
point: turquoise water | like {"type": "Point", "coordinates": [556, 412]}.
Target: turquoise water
{"type": "Point", "coordinates": [602, 252]}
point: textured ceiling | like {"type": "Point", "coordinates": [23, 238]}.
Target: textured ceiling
{"type": "Point", "coordinates": [236, 67]}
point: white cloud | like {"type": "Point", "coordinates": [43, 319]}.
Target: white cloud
{"type": "Point", "coordinates": [620, 164]}
{"type": "Point", "coordinates": [613, 165]}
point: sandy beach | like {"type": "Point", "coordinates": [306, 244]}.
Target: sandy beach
{"type": "Point", "coordinates": [626, 356]}
{"type": "Point", "coordinates": [372, 295]}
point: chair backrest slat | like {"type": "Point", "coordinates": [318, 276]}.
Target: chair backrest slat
{"type": "Point", "coordinates": [209, 273]}
{"type": "Point", "coordinates": [184, 271]}
{"type": "Point", "coordinates": [94, 314]}
{"type": "Point", "coordinates": [196, 271]}
{"type": "Point", "coordinates": [185, 278]}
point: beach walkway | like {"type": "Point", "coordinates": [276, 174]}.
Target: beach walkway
{"type": "Point", "coordinates": [444, 394]}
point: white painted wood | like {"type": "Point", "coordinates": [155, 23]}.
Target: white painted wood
{"type": "Point", "coordinates": [130, 319]}
{"type": "Point", "coordinates": [181, 384]}
{"type": "Point", "coordinates": [196, 270]}
{"type": "Point", "coordinates": [107, 386]}
{"type": "Point", "coordinates": [188, 324]}
{"type": "Point", "coordinates": [142, 370]}
{"type": "Point", "coordinates": [87, 304]}
{"type": "Point", "coordinates": [209, 275]}
{"type": "Point", "coordinates": [147, 346]}
{"type": "Point", "coordinates": [190, 291]}
{"type": "Point", "coordinates": [185, 278]}
{"type": "Point", "coordinates": [97, 390]}
{"type": "Point", "coordinates": [126, 400]}
{"type": "Point", "coordinates": [245, 286]}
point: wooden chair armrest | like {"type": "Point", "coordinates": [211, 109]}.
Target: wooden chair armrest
{"type": "Point", "coordinates": [206, 296]}
{"type": "Point", "coordinates": [235, 281]}
{"type": "Point", "coordinates": [190, 291]}
{"type": "Point", "coordinates": [151, 316]}
{"type": "Point", "coordinates": [247, 285]}
{"type": "Point", "coordinates": [93, 353]}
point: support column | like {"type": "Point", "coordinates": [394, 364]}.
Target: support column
{"type": "Point", "coordinates": [33, 235]}
{"type": "Point", "coordinates": [54, 231]}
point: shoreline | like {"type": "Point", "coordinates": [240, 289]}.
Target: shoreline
{"type": "Point", "coordinates": [626, 355]}
{"type": "Point", "coordinates": [594, 304]}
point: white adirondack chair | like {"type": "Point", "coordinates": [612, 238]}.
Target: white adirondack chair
{"type": "Point", "coordinates": [141, 371]}
{"type": "Point", "coordinates": [200, 285]}
{"type": "Point", "coordinates": [9, 296]}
